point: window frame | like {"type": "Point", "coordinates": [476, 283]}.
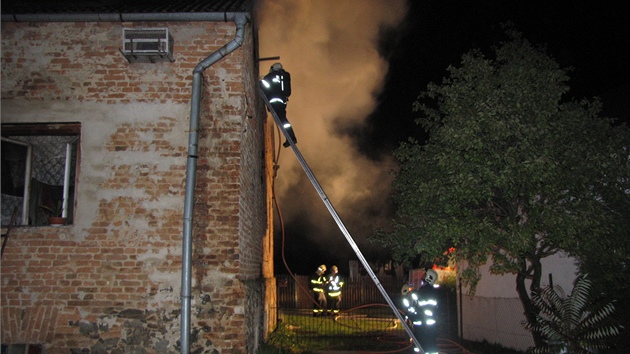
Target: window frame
{"type": "Point", "coordinates": [10, 130]}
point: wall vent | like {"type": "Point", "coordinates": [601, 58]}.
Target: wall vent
{"type": "Point", "coordinates": [147, 45]}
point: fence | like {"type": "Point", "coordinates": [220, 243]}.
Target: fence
{"type": "Point", "coordinates": [364, 312]}
{"type": "Point", "coordinates": [296, 292]}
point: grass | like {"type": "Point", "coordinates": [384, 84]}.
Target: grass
{"type": "Point", "coordinates": [360, 330]}
{"type": "Point", "coordinates": [354, 324]}
{"type": "Point", "coordinates": [347, 333]}
{"type": "Point", "coordinates": [487, 348]}
{"type": "Point", "coordinates": [360, 344]}
{"type": "Point", "coordinates": [369, 330]}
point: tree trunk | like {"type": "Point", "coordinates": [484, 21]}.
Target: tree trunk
{"type": "Point", "coordinates": [526, 301]}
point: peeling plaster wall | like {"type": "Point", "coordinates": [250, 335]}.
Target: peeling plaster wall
{"type": "Point", "coordinates": [111, 281]}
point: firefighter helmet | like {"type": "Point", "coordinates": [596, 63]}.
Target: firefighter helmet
{"type": "Point", "coordinates": [406, 289]}
{"type": "Point", "coordinates": [322, 268]}
{"type": "Point", "coordinates": [334, 268]}
{"type": "Point", "coordinates": [431, 277]}
{"type": "Point", "coordinates": [276, 67]}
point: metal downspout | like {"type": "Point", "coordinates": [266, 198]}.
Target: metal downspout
{"type": "Point", "coordinates": [240, 19]}
{"type": "Point", "coordinates": [191, 169]}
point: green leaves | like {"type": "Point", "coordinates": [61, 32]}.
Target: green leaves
{"type": "Point", "coordinates": [507, 162]}
{"type": "Point", "coordinates": [571, 322]}
{"type": "Point", "coordinates": [512, 172]}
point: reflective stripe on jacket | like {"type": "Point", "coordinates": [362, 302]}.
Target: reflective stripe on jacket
{"type": "Point", "coordinates": [334, 286]}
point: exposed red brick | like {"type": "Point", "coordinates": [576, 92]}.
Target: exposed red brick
{"type": "Point", "coordinates": [127, 256]}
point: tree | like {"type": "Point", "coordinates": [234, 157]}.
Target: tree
{"type": "Point", "coordinates": [509, 172]}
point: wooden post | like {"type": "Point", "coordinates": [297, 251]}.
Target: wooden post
{"type": "Point", "coordinates": [271, 303]}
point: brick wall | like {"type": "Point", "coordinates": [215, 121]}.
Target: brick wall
{"type": "Point", "coordinates": [111, 281]}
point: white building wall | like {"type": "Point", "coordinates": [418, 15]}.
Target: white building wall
{"type": "Point", "coordinates": [495, 313]}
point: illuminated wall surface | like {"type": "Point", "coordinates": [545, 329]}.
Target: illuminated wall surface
{"type": "Point", "coordinates": [111, 281]}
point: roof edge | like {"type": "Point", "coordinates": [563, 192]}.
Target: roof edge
{"type": "Point", "coordinates": [126, 17]}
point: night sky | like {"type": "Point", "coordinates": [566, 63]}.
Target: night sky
{"type": "Point", "coordinates": [590, 36]}
{"type": "Point", "coordinates": [357, 69]}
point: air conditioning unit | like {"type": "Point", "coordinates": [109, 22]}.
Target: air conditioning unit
{"type": "Point", "coordinates": [148, 45]}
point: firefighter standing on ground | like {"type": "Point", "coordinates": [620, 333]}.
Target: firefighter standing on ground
{"type": "Point", "coordinates": [421, 309]}
{"type": "Point", "coordinates": [335, 283]}
{"type": "Point", "coordinates": [318, 284]}
{"type": "Point", "coordinates": [277, 87]}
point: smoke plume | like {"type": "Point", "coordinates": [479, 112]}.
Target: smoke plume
{"type": "Point", "coordinates": [330, 47]}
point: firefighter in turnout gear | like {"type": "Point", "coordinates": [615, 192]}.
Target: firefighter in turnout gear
{"type": "Point", "coordinates": [335, 283]}
{"type": "Point", "coordinates": [410, 302]}
{"type": "Point", "coordinates": [428, 309]}
{"type": "Point", "coordinates": [318, 284]}
{"type": "Point", "coordinates": [420, 307]}
{"type": "Point", "coordinates": [277, 88]}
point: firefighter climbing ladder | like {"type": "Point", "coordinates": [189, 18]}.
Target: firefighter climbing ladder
{"type": "Point", "coordinates": [340, 224]}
